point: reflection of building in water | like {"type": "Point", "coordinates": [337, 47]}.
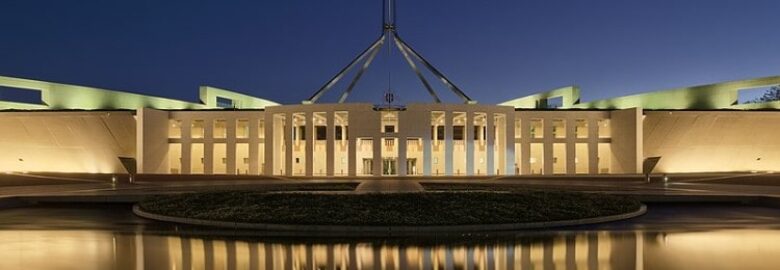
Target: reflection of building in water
{"type": "Point", "coordinates": [586, 251]}
{"type": "Point", "coordinates": [84, 250]}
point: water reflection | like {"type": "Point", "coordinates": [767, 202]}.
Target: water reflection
{"type": "Point", "coordinates": [718, 249]}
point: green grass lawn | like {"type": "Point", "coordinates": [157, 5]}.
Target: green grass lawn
{"type": "Point", "coordinates": [423, 208]}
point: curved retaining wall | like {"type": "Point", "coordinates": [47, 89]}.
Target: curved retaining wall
{"type": "Point", "coordinates": [387, 230]}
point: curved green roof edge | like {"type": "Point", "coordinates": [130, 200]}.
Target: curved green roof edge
{"type": "Point", "coordinates": [58, 96]}
{"type": "Point", "coordinates": [723, 95]}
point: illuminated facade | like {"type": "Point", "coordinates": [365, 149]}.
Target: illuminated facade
{"type": "Point", "coordinates": [73, 128]}
{"type": "Point", "coordinates": [83, 129]}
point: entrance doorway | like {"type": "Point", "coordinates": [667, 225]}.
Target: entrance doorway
{"type": "Point", "coordinates": [389, 166]}
{"type": "Point", "coordinates": [368, 165]}
{"type": "Point", "coordinates": [411, 166]}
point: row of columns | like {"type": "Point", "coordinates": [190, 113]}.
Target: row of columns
{"type": "Point", "coordinates": [502, 166]}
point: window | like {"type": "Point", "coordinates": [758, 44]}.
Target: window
{"type": "Point", "coordinates": [389, 142]}
{"type": "Point", "coordinates": [261, 129]}
{"type": "Point", "coordinates": [437, 133]}
{"type": "Point", "coordinates": [605, 131]}
{"type": "Point", "coordinates": [458, 133]}
{"type": "Point", "coordinates": [197, 129]}
{"type": "Point", "coordinates": [300, 133]}
{"type": "Point", "coordinates": [220, 128]}
{"type": "Point", "coordinates": [480, 133]}
{"type": "Point", "coordinates": [321, 132]}
{"type": "Point", "coordinates": [581, 128]}
{"type": "Point", "coordinates": [437, 125]}
{"type": "Point", "coordinates": [174, 129]}
{"type": "Point", "coordinates": [224, 102]}
{"type": "Point", "coordinates": [559, 128]}
{"type": "Point", "coordinates": [581, 158]}
{"type": "Point", "coordinates": [389, 122]}
{"type": "Point", "coordinates": [242, 128]}
{"type": "Point", "coordinates": [537, 128]}
{"type": "Point", "coordinates": [559, 158]}
{"type": "Point", "coordinates": [174, 158]}
{"type": "Point", "coordinates": [342, 133]}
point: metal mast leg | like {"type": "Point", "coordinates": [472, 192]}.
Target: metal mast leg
{"type": "Point", "coordinates": [416, 70]}
{"type": "Point", "coordinates": [362, 70]}
{"type": "Point", "coordinates": [435, 71]}
{"type": "Point", "coordinates": [343, 71]}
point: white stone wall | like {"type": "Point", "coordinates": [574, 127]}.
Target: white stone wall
{"type": "Point", "coordinates": [713, 141]}
{"type": "Point", "coordinates": [72, 141]}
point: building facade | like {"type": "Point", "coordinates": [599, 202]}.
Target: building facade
{"type": "Point", "coordinates": [83, 129]}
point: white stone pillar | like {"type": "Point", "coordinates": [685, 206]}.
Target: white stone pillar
{"type": "Point", "coordinates": [310, 137]}
{"type": "Point", "coordinates": [427, 152]}
{"type": "Point", "coordinates": [230, 144]}
{"type": "Point", "coordinates": [377, 144]}
{"type": "Point", "coordinates": [593, 146]}
{"type": "Point", "coordinates": [330, 147]}
{"type": "Point", "coordinates": [525, 145]}
{"type": "Point", "coordinates": [270, 145]}
{"type": "Point", "coordinates": [288, 135]}
{"type": "Point", "coordinates": [401, 156]}
{"type": "Point", "coordinates": [254, 152]}
{"type": "Point", "coordinates": [509, 142]}
{"type": "Point", "coordinates": [571, 154]}
{"type": "Point", "coordinates": [352, 152]}
{"type": "Point", "coordinates": [469, 142]}
{"type": "Point", "coordinates": [489, 153]}
{"type": "Point", "coordinates": [208, 146]}
{"type": "Point", "coordinates": [186, 146]}
{"type": "Point", "coordinates": [448, 143]}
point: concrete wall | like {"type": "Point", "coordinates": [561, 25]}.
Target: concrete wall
{"type": "Point", "coordinates": [152, 141]}
{"type": "Point", "coordinates": [627, 141]}
{"type": "Point", "coordinates": [66, 141]}
{"type": "Point", "coordinates": [713, 141]}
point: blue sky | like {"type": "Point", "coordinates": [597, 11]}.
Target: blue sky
{"type": "Point", "coordinates": [494, 50]}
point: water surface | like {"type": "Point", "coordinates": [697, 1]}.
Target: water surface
{"type": "Point", "coordinates": [691, 236]}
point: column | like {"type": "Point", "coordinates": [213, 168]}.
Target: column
{"type": "Point", "coordinates": [491, 137]}
{"type": "Point", "coordinates": [593, 146]}
{"type": "Point", "coordinates": [509, 142]}
{"type": "Point", "coordinates": [330, 146]}
{"type": "Point", "coordinates": [469, 133]}
{"type": "Point", "coordinates": [571, 167]}
{"type": "Point", "coordinates": [270, 147]}
{"type": "Point", "coordinates": [448, 142]}
{"type": "Point", "coordinates": [377, 155]}
{"type": "Point", "coordinates": [230, 144]}
{"type": "Point", "coordinates": [186, 146]}
{"type": "Point", "coordinates": [310, 136]}
{"type": "Point", "coordinates": [402, 140]}
{"type": "Point", "coordinates": [288, 157]}
{"type": "Point", "coordinates": [254, 152]}
{"type": "Point", "coordinates": [548, 145]}
{"type": "Point", "coordinates": [427, 151]}
{"type": "Point", "coordinates": [525, 146]}
{"type": "Point", "coordinates": [208, 146]}
{"type": "Point", "coordinates": [352, 141]}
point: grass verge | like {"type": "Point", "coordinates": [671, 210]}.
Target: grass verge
{"type": "Point", "coordinates": [382, 209]}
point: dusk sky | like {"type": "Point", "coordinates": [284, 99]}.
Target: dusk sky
{"type": "Point", "coordinates": [285, 50]}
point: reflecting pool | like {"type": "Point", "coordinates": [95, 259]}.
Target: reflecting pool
{"type": "Point", "coordinates": [668, 237]}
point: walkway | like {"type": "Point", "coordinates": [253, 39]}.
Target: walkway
{"type": "Point", "coordinates": [681, 185]}
{"type": "Point", "coordinates": [389, 185]}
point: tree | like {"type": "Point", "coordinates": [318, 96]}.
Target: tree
{"type": "Point", "coordinates": [771, 94]}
